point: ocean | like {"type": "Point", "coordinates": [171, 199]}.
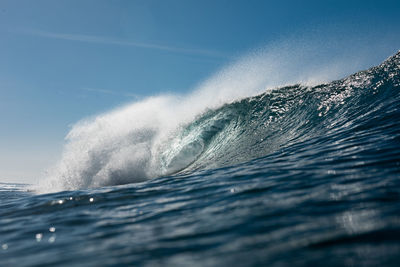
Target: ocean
{"type": "Point", "coordinates": [299, 175]}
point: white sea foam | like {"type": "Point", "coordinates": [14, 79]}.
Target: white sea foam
{"type": "Point", "coordinates": [125, 144]}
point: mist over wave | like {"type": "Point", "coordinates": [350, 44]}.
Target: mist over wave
{"type": "Point", "coordinates": [236, 115]}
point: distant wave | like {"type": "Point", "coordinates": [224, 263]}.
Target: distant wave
{"type": "Point", "coordinates": [226, 122]}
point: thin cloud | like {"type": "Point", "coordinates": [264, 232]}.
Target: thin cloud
{"type": "Point", "coordinates": [115, 41]}
{"type": "Point", "coordinates": [110, 92]}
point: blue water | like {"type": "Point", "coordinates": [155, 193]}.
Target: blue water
{"type": "Point", "coordinates": [295, 176]}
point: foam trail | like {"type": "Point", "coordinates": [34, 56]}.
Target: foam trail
{"type": "Point", "coordinates": [125, 145]}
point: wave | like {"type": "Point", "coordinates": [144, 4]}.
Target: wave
{"type": "Point", "coordinates": [231, 119]}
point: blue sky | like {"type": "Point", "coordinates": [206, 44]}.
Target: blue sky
{"type": "Point", "coordinates": [61, 61]}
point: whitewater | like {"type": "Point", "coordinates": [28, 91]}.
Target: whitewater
{"type": "Point", "coordinates": [270, 162]}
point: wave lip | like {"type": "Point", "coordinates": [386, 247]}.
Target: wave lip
{"type": "Point", "coordinates": [165, 135]}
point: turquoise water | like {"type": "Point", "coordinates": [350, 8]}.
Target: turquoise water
{"type": "Point", "coordinates": [298, 175]}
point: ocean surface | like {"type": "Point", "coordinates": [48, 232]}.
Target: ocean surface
{"type": "Point", "coordinates": [295, 176]}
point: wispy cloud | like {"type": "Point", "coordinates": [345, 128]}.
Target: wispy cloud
{"type": "Point", "coordinates": [110, 92]}
{"type": "Point", "coordinates": [116, 41]}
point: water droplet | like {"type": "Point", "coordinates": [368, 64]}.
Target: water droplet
{"type": "Point", "coordinates": [4, 246]}
{"type": "Point", "coordinates": [39, 237]}
{"type": "Point", "coordinates": [232, 190]}
{"type": "Point", "coordinates": [91, 199]}
{"type": "Point", "coordinates": [52, 229]}
{"type": "Point", "coordinates": [70, 198]}
{"type": "Point", "coordinates": [331, 172]}
{"type": "Point", "coordinates": [60, 201]}
{"type": "Point", "coordinates": [52, 239]}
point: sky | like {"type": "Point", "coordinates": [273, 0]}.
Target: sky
{"type": "Point", "coordinates": [62, 61]}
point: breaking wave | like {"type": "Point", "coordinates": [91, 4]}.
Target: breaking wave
{"type": "Point", "coordinates": [234, 117]}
